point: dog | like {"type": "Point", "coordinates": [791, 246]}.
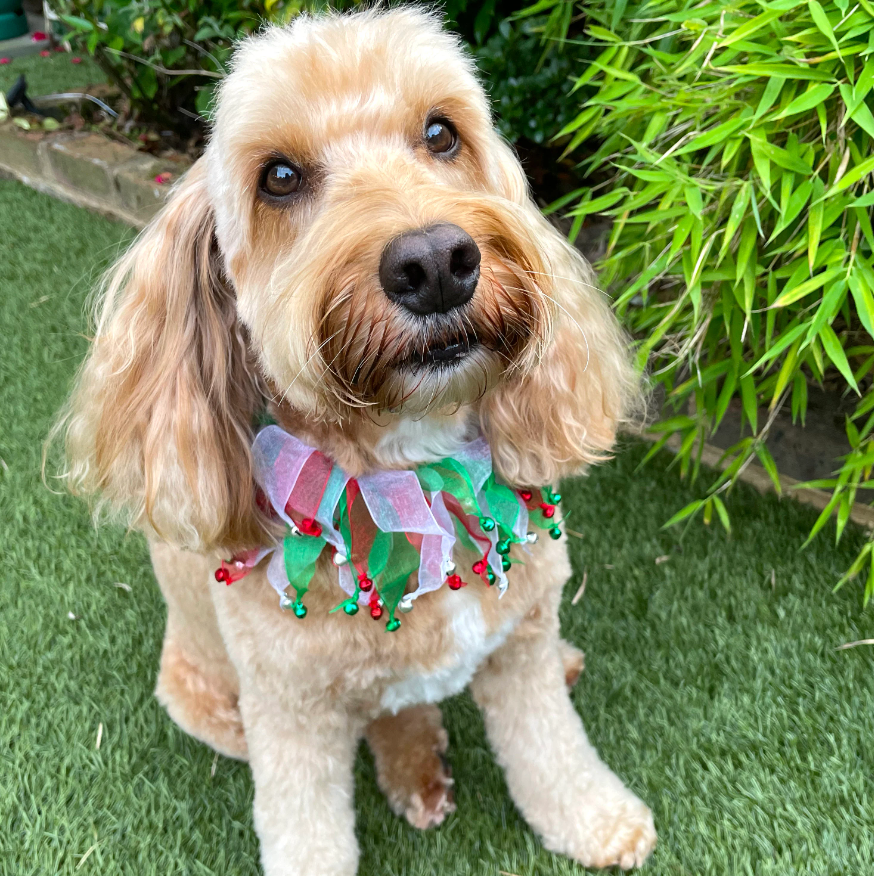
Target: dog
{"type": "Point", "coordinates": [357, 255]}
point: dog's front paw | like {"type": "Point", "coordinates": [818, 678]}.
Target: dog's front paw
{"type": "Point", "coordinates": [429, 805]}
{"type": "Point", "coordinates": [617, 831]}
{"type": "Point", "coordinates": [411, 767]}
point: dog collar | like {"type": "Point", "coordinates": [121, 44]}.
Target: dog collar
{"type": "Point", "coordinates": [382, 528]}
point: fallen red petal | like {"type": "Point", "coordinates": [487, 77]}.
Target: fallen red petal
{"type": "Point", "coordinates": [38, 36]}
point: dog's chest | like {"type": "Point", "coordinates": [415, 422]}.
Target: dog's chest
{"type": "Point", "coordinates": [470, 644]}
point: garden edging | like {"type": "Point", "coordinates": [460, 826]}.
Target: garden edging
{"type": "Point", "coordinates": [90, 170]}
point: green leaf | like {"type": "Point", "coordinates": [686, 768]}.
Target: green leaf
{"type": "Point", "coordinates": [857, 173]}
{"type": "Point", "coordinates": [790, 296]}
{"type": "Point", "coordinates": [769, 96]}
{"type": "Point", "coordinates": [799, 397]}
{"type": "Point", "coordinates": [770, 466]}
{"type": "Point", "coordinates": [814, 222]}
{"type": "Point", "coordinates": [833, 349]}
{"type": "Point", "coordinates": [683, 513]}
{"type": "Point", "coordinates": [77, 23]}
{"type": "Point", "coordinates": [602, 33]}
{"type": "Point", "coordinates": [723, 513]}
{"type": "Point", "coordinates": [781, 157]}
{"type": "Point", "coordinates": [735, 217]}
{"type": "Point", "coordinates": [820, 19]}
{"type": "Point", "coordinates": [779, 346]}
{"type": "Point", "coordinates": [806, 101]}
{"type": "Point", "coordinates": [797, 200]}
{"type": "Point", "coordinates": [822, 519]}
{"type": "Point", "coordinates": [784, 71]}
{"type": "Point", "coordinates": [693, 199]}
{"type": "Point", "coordinates": [750, 27]}
{"type": "Point", "coordinates": [864, 300]}
{"type": "Point", "coordinates": [750, 404]}
{"type": "Point", "coordinates": [746, 248]}
{"type": "Point", "coordinates": [862, 116]}
{"type": "Point", "coordinates": [762, 163]}
{"type": "Point", "coordinates": [598, 205]}
{"type": "Point", "coordinates": [714, 135]}
{"type": "Point", "coordinates": [864, 201]}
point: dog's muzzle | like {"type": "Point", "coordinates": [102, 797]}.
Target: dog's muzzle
{"type": "Point", "coordinates": [432, 270]}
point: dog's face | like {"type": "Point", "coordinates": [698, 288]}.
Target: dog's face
{"type": "Point", "coordinates": [357, 246]}
{"type": "Point", "coordinates": [369, 217]}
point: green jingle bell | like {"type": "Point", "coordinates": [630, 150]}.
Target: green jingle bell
{"type": "Point", "coordinates": [300, 610]}
{"type": "Point", "coordinates": [505, 564]}
{"type": "Point", "coordinates": [503, 547]}
{"type": "Point", "coordinates": [487, 524]}
{"type": "Point", "coordinates": [554, 533]}
{"type": "Point", "coordinates": [492, 577]}
{"type": "Point", "coordinates": [351, 608]}
{"type": "Point", "coordinates": [392, 625]}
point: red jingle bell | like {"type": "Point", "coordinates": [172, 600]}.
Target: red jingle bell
{"type": "Point", "coordinates": [455, 582]}
{"type": "Point", "coordinates": [526, 495]}
{"type": "Point", "coordinates": [365, 584]}
{"type": "Point", "coordinates": [222, 574]}
{"type": "Point", "coordinates": [548, 510]}
{"type": "Point", "coordinates": [376, 611]}
{"type": "Point", "coordinates": [479, 567]}
{"type": "Point", "coordinates": [310, 527]}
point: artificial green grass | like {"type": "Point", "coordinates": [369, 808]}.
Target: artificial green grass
{"type": "Point", "coordinates": [716, 694]}
{"type": "Point", "coordinates": [51, 75]}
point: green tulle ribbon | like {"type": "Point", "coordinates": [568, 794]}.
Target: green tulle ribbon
{"type": "Point", "coordinates": [383, 562]}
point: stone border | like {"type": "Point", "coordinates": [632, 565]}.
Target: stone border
{"type": "Point", "coordinates": [90, 170]}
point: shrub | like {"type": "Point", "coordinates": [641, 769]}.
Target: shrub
{"type": "Point", "coordinates": [735, 147]}
{"type": "Point", "coordinates": [166, 56]}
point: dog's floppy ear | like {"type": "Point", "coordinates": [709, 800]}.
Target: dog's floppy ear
{"type": "Point", "coordinates": [159, 424]}
{"type": "Point", "coordinates": [564, 412]}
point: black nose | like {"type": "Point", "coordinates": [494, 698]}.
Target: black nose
{"type": "Point", "coordinates": [431, 270]}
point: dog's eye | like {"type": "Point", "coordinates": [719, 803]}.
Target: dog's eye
{"type": "Point", "coordinates": [440, 137]}
{"type": "Point", "coordinates": [281, 179]}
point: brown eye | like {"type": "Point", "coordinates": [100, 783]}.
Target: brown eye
{"type": "Point", "coordinates": [440, 137]}
{"type": "Point", "coordinates": [281, 179]}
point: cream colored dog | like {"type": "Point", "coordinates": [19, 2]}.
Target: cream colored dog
{"type": "Point", "coordinates": [357, 252]}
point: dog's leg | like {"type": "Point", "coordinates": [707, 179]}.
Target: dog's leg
{"type": "Point", "coordinates": [562, 788]}
{"type": "Point", "coordinates": [411, 770]}
{"type": "Point", "coordinates": [302, 759]}
{"type": "Point", "coordinates": [197, 684]}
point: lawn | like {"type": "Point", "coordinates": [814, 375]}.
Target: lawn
{"type": "Point", "coordinates": [712, 683]}
{"type": "Point", "coordinates": [50, 75]}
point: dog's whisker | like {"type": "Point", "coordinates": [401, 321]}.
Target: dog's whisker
{"type": "Point", "coordinates": [575, 280]}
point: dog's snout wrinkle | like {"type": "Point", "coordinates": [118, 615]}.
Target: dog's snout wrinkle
{"type": "Point", "coordinates": [431, 270]}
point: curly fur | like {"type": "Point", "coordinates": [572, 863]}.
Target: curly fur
{"type": "Point", "coordinates": [228, 304]}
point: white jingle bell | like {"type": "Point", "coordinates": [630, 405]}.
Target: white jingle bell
{"type": "Point", "coordinates": [285, 601]}
{"type": "Point", "coordinates": [531, 537]}
{"type": "Point", "coordinates": [406, 605]}
{"type": "Point", "coordinates": [450, 567]}
{"type": "Point", "coordinates": [340, 559]}
{"type": "Point", "coordinates": [294, 529]}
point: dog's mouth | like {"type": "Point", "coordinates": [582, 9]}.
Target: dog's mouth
{"type": "Point", "coordinates": [444, 352]}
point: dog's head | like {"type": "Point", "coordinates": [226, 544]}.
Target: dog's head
{"type": "Point", "coordinates": [357, 244]}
